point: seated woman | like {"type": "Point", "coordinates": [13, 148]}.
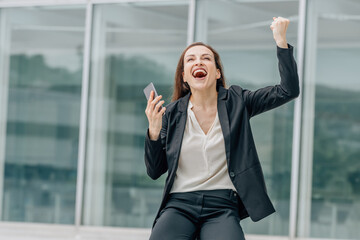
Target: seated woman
{"type": "Point", "coordinates": [204, 141]}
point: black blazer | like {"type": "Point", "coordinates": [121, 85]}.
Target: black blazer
{"type": "Point", "coordinates": [235, 108]}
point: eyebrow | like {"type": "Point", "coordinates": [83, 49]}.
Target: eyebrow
{"type": "Point", "coordinates": [192, 55]}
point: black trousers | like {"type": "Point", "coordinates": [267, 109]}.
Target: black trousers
{"type": "Point", "coordinates": [204, 215]}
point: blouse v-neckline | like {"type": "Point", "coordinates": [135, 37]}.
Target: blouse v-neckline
{"type": "Point", "coordinates": [193, 116]}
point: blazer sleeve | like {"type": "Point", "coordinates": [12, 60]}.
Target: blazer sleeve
{"type": "Point", "coordinates": [155, 152]}
{"type": "Point", "coordinates": [271, 97]}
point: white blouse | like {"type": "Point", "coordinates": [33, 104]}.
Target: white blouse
{"type": "Point", "coordinates": [202, 161]}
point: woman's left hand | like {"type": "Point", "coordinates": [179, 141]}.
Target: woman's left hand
{"type": "Point", "coordinates": [279, 27]}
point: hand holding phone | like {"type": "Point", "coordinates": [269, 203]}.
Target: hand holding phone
{"type": "Point", "coordinates": [154, 111]}
{"type": "Point", "coordinates": [147, 92]}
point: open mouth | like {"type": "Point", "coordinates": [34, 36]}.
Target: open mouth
{"type": "Point", "coordinates": [199, 73]}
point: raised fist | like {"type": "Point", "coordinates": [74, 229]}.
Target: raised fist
{"type": "Point", "coordinates": [279, 27]}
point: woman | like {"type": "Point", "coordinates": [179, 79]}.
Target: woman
{"type": "Point", "coordinates": [203, 139]}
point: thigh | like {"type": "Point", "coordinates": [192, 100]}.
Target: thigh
{"type": "Point", "coordinates": [175, 225]}
{"type": "Point", "coordinates": [227, 226]}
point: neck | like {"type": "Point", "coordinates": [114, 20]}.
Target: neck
{"type": "Point", "coordinates": [204, 99]}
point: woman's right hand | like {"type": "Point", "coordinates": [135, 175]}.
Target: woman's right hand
{"type": "Point", "coordinates": [154, 115]}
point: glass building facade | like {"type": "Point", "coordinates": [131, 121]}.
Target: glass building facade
{"type": "Point", "coordinates": [72, 121]}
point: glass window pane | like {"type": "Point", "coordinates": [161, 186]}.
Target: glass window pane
{"type": "Point", "coordinates": [333, 87]}
{"type": "Point", "coordinates": [133, 44]}
{"type": "Point", "coordinates": [240, 32]}
{"type": "Point", "coordinates": [41, 72]}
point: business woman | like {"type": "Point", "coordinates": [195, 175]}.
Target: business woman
{"type": "Point", "coordinates": [203, 140]}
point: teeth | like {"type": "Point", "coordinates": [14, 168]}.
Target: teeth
{"type": "Point", "coordinates": [199, 73]}
{"type": "Point", "coordinates": [199, 70]}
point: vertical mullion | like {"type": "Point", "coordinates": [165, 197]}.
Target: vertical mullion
{"type": "Point", "coordinates": [191, 22]}
{"type": "Point", "coordinates": [83, 115]}
{"type": "Point", "coordinates": [296, 142]}
{"type": "Point", "coordinates": [308, 121]}
{"type": "Point", "coordinates": [5, 41]}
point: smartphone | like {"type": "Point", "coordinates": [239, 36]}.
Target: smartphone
{"type": "Point", "coordinates": [147, 91]}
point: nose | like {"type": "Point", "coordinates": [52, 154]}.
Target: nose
{"type": "Point", "coordinates": [198, 61]}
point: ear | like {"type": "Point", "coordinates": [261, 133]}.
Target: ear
{"type": "Point", "coordinates": [218, 74]}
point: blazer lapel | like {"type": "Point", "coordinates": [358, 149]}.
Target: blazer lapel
{"type": "Point", "coordinates": [224, 120]}
{"type": "Point", "coordinates": [180, 127]}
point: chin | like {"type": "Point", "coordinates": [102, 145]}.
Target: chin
{"type": "Point", "coordinates": [202, 86]}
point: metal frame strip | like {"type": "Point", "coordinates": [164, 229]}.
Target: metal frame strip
{"type": "Point", "coordinates": [191, 22]}
{"type": "Point", "coordinates": [83, 116]}
{"type": "Point", "coordinates": [24, 3]}
{"type": "Point", "coordinates": [27, 3]}
{"type": "Point", "coordinates": [296, 142]}
{"type": "Point", "coordinates": [5, 41]}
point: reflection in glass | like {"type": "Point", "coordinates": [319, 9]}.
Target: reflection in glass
{"type": "Point", "coordinates": [39, 119]}
{"type": "Point", "coordinates": [133, 44]}
{"type": "Point", "coordinates": [241, 34]}
{"type": "Point", "coordinates": [335, 195]}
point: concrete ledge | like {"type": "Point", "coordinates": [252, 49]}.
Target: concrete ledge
{"type": "Point", "coordinates": [37, 231]}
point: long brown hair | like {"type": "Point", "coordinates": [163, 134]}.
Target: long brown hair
{"type": "Point", "coordinates": [182, 88]}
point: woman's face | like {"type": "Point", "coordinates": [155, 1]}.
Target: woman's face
{"type": "Point", "coordinates": [200, 70]}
